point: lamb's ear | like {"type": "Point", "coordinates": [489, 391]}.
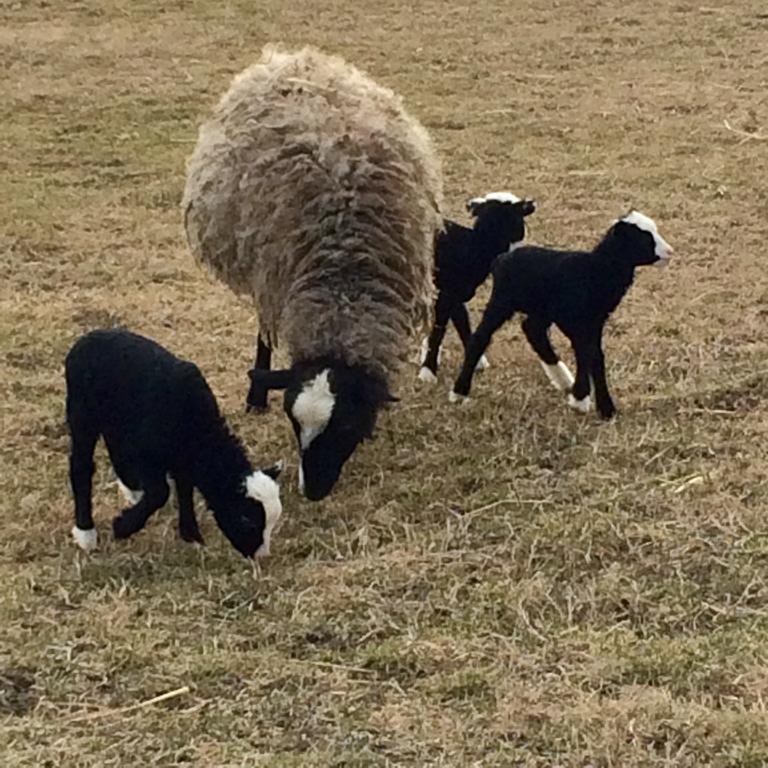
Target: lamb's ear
{"type": "Point", "coordinates": [272, 379]}
{"type": "Point", "coordinates": [529, 207]}
{"type": "Point", "coordinates": [273, 471]}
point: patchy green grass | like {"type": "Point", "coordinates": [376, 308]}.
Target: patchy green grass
{"type": "Point", "coordinates": [501, 584]}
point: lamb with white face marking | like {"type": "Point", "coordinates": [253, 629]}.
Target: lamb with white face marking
{"type": "Point", "coordinates": [312, 191]}
{"type": "Point", "coordinates": [575, 290]}
{"type": "Point", "coordinates": [463, 260]}
{"type": "Point", "coordinates": [161, 424]}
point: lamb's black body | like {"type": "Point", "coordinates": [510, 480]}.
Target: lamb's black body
{"type": "Point", "coordinates": [463, 260]}
{"type": "Point", "coordinates": [158, 417]}
{"type": "Point", "coordinates": [575, 290]}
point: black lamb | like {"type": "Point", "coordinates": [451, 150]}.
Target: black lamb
{"type": "Point", "coordinates": [463, 260]}
{"type": "Point", "coordinates": [576, 290]}
{"type": "Point", "coordinates": [160, 420]}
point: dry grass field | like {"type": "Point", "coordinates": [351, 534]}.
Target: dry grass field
{"type": "Point", "coordinates": [503, 584]}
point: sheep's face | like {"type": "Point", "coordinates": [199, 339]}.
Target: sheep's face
{"type": "Point", "coordinates": [640, 241]}
{"type": "Point", "coordinates": [501, 216]}
{"type": "Point", "coordinates": [332, 408]}
{"type": "Point", "coordinates": [250, 521]}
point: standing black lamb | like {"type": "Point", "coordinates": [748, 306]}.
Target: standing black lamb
{"type": "Point", "coordinates": [159, 418]}
{"type": "Point", "coordinates": [463, 260]}
{"type": "Point", "coordinates": [576, 290]}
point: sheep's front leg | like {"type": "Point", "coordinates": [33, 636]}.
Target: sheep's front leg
{"type": "Point", "coordinates": [188, 529]}
{"type": "Point", "coordinates": [83, 442]}
{"type": "Point", "coordinates": [605, 406]}
{"type": "Point", "coordinates": [257, 393]}
{"type": "Point", "coordinates": [460, 318]}
{"type": "Point", "coordinates": [429, 363]}
{"type": "Point", "coordinates": [133, 519]}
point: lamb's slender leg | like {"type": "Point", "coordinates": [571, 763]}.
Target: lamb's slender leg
{"type": "Point", "coordinates": [257, 393]}
{"type": "Point", "coordinates": [605, 406]}
{"type": "Point", "coordinates": [83, 441]}
{"type": "Point", "coordinates": [133, 519]}
{"type": "Point", "coordinates": [495, 315]}
{"type": "Point", "coordinates": [460, 318]}
{"type": "Point", "coordinates": [536, 331]}
{"type": "Point", "coordinates": [584, 348]}
{"type": "Point", "coordinates": [443, 306]}
{"type": "Point", "coordinates": [188, 529]}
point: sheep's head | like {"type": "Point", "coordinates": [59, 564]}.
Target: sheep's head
{"type": "Point", "coordinates": [501, 214]}
{"type": "Point", "coordinates": [639, 240]}
{"type": "Point", "coordinates": [332, 407]}
{"type": "Point", "coordinates": [249, 520]}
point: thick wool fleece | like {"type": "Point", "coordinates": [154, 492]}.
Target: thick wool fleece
{"type": "Point", "coordinates": [312, 191]}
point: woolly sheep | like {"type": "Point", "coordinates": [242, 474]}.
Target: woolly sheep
{"type": "Point", "coordinates": [312, 192]}
{"type": "Point", "coordinates": [576, 290]}
{"type": "Point", "coordinates": [463, 260]}
{"type": "Point", "coordinates": [160, 421]}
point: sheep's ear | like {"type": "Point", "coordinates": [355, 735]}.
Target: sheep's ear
{"type": "Point", "coordinates": [274, 471]}
{"type": "Point", "coordinates": [529, 207]}
{"type": "Point", "coordinates": [272, 379]}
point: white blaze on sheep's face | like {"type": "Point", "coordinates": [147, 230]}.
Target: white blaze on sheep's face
{"type": "Point", "coordinates": [262, 488]}
{"type": "Point", "coordinates": [313, 407]}
{"type": "Point", "coordinates": [499, 197]}
{"type": "Point", "coordinates": [663, 249]}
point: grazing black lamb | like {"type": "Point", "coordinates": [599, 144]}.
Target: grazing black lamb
{"type": "Point", "coordinates": [159, 418]}
{"type": "Point", "coordinates": [463, 260]}
{"type": "Point", "coordinates": [576, 290]}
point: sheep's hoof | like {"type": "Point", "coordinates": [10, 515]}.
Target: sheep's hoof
{"type": "Point", "coordinates": [455, 397]}
{"type": "Point", "coordinates": [123, 526]}
{"type": "Point", "coordinates": [426, 375]}
{"type": "Point", "coordinates": [191, 535]}
{"type": "Point", "coordinates": [85, 538]}
{"type": "Point", "coordinates": [482, 363]}
{"type": "Point", "coordinates": [582, 406]}
{"type": "Point", "coordinates": [607, 410]}
{"type": "Point", "coordinates": [256, 407]}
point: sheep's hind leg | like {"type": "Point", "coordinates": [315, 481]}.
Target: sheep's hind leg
{"type": "Point", "coordinates": [257, 393]}
{"type": "Point", "coordinates": [430, 361]}
{"type": "Point", "coordinates": [605, 406]}
{"type": "Point", "coordinates": [188, 529]}
{"type": "Point", "coordinates": [83, 442]}
{"type": "Point", "coordinates": [133, 519]}
{"type": "Point", "coordinates": [537, 332]}
{"type": "Point", "coordinates": [460, 318]}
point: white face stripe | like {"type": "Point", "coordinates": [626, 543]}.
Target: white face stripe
{"type": "Point", "coordinates": [261, 487]}
{"type": "Point", "coordinates": [663, 249]}
{"type": "Point", "coordinates": [313, 407]}
{"type": "Point", "coordinates": [499, 197]}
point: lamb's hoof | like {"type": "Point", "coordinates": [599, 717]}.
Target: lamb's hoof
{"type": "Point", "coordinates": [607, 411]}
{"type": "Point", "coordinates": [455, 397]}
{"type": "Point", "coordinates": [482, 363]}
{"type": "Point", "coordinates": [559, 374]}
{"type": "Point", "coordinates": [122, 528]}
{"type": "Point", "coordinates": [256, 407]}
{"type": "Point", "coordinates": [85, 538]}
{"type": "Point", "coordinates": [191, 535]}
{"type": "Point", "coordinates": [582, 406]}
{"type": "Point", "coordinates": [426, 375]}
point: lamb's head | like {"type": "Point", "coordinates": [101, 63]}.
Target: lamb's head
{"type": "Point", "coordinates": [250, 519]}
{"type": "Point", "coordinates": [332, 407]}
{"type": "Point", "coordinates": [501, 215]}
{"type": "Point", "coordinates": [638, 239]}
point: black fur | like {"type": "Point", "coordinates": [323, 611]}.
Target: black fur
{"type": "Point", "coordinates": [158, 416]}
{"type": "Point", "coordinates": [576, 290]}
{"type": "Point", "coordinates": [359, 396]}
{"type": "Point", "coordinates": [463, 260]}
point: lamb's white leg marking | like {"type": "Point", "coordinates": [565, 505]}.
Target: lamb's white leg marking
{"type": "Point", "coordinates": [559, 375]}
{"type": "Point", "coordinates": [455, 397]}
{"type": "Point", "coordinates": [425, 349]}
{"type": "Point", "coordinates": [582, 406]}
{"type": "Point", "coordinates": [86, 539]}
{"type": "Point", "coordinates": [301, 477]}
{"type": "Point", "coordinates": [132, 497]}
{"type": "Point", "coordinates": [482, 363]}
{"type": "Point", "coordinates": [426, 375]}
